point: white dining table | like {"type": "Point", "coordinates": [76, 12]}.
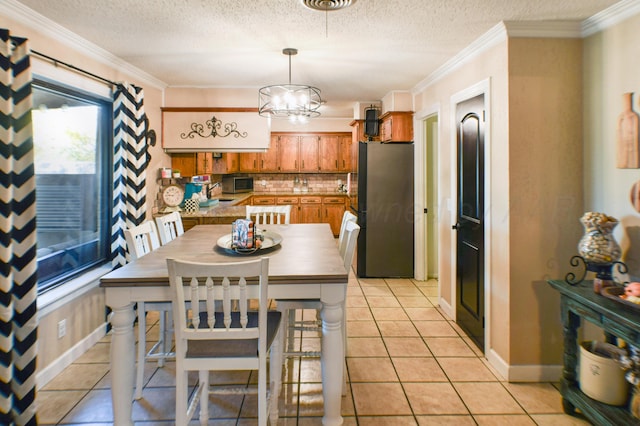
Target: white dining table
{"type": "Point", "coordinates": [305, 265]}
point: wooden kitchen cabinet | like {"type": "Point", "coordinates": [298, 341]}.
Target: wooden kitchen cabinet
{"type": "Point", "coordinates": [329, 153]}
{"type": "Point", "coordinates": [294, 202]}
{"type": "Point", "coordinates": [263, 200]}
{"type": "Point", "coordinates": [185, 162]}
{"type": "Point", "coordinates": [333, 209]}
{"type": "Point", "coordinates": [309, 154]}
{"type": "Point", "coordinates": [345, 159]}
{"type": "Point", "coordinates": [288, 152]}
{"type": "Point", "coordinates": [228, 163]}
{"type": "Point", "coordinates": [255, 162]}
{"type": "Point", "coordinates": [204, 163]}
{"type": "Point", "coordinates": [310, 209]}
{"type": "Point", "coordinates": [396, 126]}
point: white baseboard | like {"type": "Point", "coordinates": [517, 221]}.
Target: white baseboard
{"type": "Point", "coordinates": [446, 307]}
{"type": "Point", "coordinates": [45, 375]}
{"type": "Point", "coordinates": [524, 373]}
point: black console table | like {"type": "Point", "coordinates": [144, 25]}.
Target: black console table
{"type": "Point", "coordinates": [616, 319]}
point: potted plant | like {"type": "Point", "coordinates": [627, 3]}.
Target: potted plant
{"type": "Point", "coordinates": [176, 173]}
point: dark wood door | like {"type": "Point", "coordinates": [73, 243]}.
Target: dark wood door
{"type": "Point", "coordinates": [470, 219]}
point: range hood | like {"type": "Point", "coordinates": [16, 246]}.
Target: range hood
{"type": "Point", "coordinates": [214, 130]}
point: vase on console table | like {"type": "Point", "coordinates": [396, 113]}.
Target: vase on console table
{"type": "Point", "coordinates": [599, 248]}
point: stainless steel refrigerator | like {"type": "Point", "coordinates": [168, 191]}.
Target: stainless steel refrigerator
{"type": "Point", "coordinates": [382, 197]}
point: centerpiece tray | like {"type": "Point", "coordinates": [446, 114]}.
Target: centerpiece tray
{"type": "Point", "coordinates": [269, 241]}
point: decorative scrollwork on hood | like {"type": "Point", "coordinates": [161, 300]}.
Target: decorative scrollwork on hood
{"type": "Point", "coordinates": [213, 128]}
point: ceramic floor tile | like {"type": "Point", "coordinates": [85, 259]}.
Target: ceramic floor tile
{"type": "Point", "coordinates": [94, 407]}
{"type": "Point", "coordinates": [391, 282]}
{"type": "Point", "coordinates": [386, 421]}
{"type": "Point", "coordinates": [413, 369]}
{"type": "Point", "coordinates": [98, 353]}
{"type": "Point", "coordinates": [377, 292]}
{"type": "Point", "coordinates": [310, 400]}
{"type": "Point", "coordinates": [434, 398]}
{"type": "Point", "coordinates": [449, 346]}
{"type": "Point", "coordinates": [356, 302]}
{"type": "Point", "coordinates": [389, 314]}
{"type": "Point", "coordinates": [78, 376]}
{"type": "Point", "coordinates": [310, 370]}
{"type": "Point", "coordinates": [359, 314]}
{"type": "Point", "coordinates": [397, 328]}
{"type": "Point", "coordinates": [538, 398]}
{"type": "Point", "coordinates": [487, 398]}
{"type": "Point", "coordinates": [365, 346]}
{"type": "Point", "coordinates": [383, 302]}
{"type": "Point", "coordinates": [414, 302]}
{"type": "Point", "coordinates": [372, 282]}
{"type": "Point", "coordinates": [435, 329]}
{"type": "Point", "coordinates": [429, 291]}
{"type": "Point", "coordinates": [504, 420]}
{"type": "Point", "coordinates": [559, 420]}
{"type": "Point", "coordinates": [371, 370]}
{"type": "Point", "coordinates": [466, 370]}
{"type": "Point", "coordinates": [53, 406]}
{"type": "Point", "coordinates": [362, 329]}
{"type": "Point", "coordinates": [406, 291]}
{"type": "Point", "coordinates": [439, 420]}
{"type": "Point", "coordinates": [406, 346]}
{"type": "Point", "coordinates": [380, 399]}
{"type": "Point", "coordinates": [424, 314]}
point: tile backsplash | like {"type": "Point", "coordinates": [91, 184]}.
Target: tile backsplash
{"type": "Point", "coordinates": [284, 182]}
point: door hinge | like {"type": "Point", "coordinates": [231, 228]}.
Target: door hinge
{"type": "Point", "coordinates": [426, 211]}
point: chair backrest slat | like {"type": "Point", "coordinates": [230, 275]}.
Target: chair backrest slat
{"type": "Point", "coordinates": [141, 239]}
{"type": "Point", "coordinates": [346, 217]}
{"type": "Point", "coordinates": [169, 227]}
{"type": "Point", "coordinates": [352, 230]}
{"type": "Point", "coordinates": [280, 215]}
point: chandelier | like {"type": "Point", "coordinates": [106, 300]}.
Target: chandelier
{"type": "Point", "coordinates": [297, 102]}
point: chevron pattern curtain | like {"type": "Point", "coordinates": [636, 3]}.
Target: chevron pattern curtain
{"type": "Point", "coordinates": [18, 264]}
{"type": "Point", "coordinates": [131, 158]}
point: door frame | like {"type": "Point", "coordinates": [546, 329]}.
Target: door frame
{"type": "Point", "coordinates": [420, 167]}
{"type": "Point", "coordinates": [481, 88]}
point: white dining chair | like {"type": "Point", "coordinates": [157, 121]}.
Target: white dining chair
{"type": "Point", "coordinates": [169, 227]}
{"type": "Point", "coordinates": [280, 215]}
{"type": "Point", "coordinates": [141, 240]}
{"type": "Point", "coordinates": [227, 340]}
{"type": "Point", "coordinates": [346, 217]}
{"type": "Point", "coordinates": [288, 307]}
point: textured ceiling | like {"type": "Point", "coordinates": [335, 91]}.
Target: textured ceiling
{"type": "Point", "coordinates": [355, 54]}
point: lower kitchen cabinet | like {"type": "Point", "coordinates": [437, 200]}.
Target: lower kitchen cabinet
{"type": "Point", "coordinates": [332, 210]}
{"type": "Point", "coordinates": [190, 222]}
{"type": "Point", "coordinates": [294, 202]}
{"type": "Point", "coordinates": [310, 209]}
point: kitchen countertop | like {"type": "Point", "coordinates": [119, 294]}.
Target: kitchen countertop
{"type": "Point", "coordinates": [227, 206]}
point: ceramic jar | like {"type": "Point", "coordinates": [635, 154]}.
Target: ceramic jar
{"type": "Point", "coordinates": [597, 244]}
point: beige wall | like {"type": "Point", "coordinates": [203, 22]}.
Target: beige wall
{"type": "Point", "coordinates": [533, 181]}
{"type": "Point", "coordinates": [612, 67]}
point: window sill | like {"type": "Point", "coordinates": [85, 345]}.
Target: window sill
{"type": "Point", "coordinates": [63, 294]}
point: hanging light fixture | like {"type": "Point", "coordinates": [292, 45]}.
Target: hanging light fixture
{"type": "Point", "coordinates": [297, 102]}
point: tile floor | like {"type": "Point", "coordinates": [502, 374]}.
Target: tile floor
{"type": "Point", "coordinates": [407, 365]}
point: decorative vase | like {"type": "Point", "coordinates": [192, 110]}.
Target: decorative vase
{"type": "Point", "coordinates": [597, 245]}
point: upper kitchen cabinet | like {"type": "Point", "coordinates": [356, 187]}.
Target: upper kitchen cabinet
{"type": "Point", "coordinates": [204, 163]}
{"type": "Point", "coordinates": [396, 126]}
{"type": "Point", "coordinates": [254, 162]}
{"type": "Point", "coordinates": [192, 164]}
{"type": "Point", "coordinates": [214, 130]}
{"type": "Point", "coordinates": [309, 160]}
{"type": "Point", "coordinates": [288, 152]}
{"type": "Point", "coordinates": [226, 164]}
{"type": "Point", "coordinates": [335, 153]}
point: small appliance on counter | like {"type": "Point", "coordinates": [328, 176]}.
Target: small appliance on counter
{"type": "Point", "coordinates": [236, 184]}
{"type": "Point", "coordinates": [192, 188]}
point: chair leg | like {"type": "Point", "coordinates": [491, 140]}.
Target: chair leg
{"type": "Point", "coordinates": [275, 378]}
{"type": "Point", "coordinates": [142, 349]}
{"type": "Point", "coordinates": [162, 337]}
{"type": "Point", "coordinates": [181, 397]}
{"type": "Point", "coordinates": [204, 397]}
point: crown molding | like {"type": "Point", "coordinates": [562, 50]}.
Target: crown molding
{"type": "Point", "coordinates": [49, 28]}
{"type": "Point", "coordinates": [610, 17]}
{"type": "Point", "coordinates": [491, 38]}
{"type": "Point", "coordinates": [535, 29]}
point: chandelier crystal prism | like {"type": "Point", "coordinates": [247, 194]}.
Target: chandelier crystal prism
{"type": "Point", "coordinates": [296, 102]}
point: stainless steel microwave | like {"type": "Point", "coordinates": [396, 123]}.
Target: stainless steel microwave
{"type": "Point", "coordinates": [236, 184]}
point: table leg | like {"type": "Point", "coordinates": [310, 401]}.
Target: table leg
{"type": "Point", "coordinates": [332, 360]}
{"type": "Point", "coordinates": [123, 364]}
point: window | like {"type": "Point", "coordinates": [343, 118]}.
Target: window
{"type": "Point", "coordinates": [72, 140]}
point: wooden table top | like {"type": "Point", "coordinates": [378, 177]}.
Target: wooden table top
{"type": "Point", "coordinates": [308, 253]}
